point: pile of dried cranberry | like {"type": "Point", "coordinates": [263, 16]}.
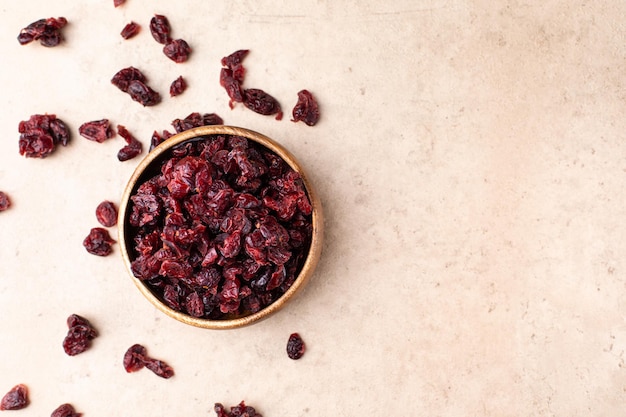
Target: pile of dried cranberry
{"type": "Point", "coordinates": [222, 229]}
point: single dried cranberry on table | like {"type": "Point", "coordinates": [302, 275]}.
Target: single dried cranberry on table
{"type": "Point", "coordinates": [98, 242]}
{"type": "Point", "coordinates": [106, 213]}
{"type": "Point", "coordinates": [40, 134]}
{"type": "Point", "coordinates": [79, 335]}
{"type": "Point", "coordinates": [295, 346]}
{"type": "Point", "coordinates": [240, 410]}
{"type": "Point", "coordinates": [232, 75]}
{"type": "Point", "coordinates": [136, 358]}
{"type": "Point", "coordinates": [306, 109]}
{"type": "Point", "coordinates": [261, 102]}
{"type": "Point", "coordinates": [177, 50]}
{"type": "Point", "coordinates": [46, 31]}
{"type": "Point", "coordinates": [133, 146]}
{"type": "Point", "coordinates": [132, 81]}
{"type": "Point", "coordinates": [96, 130]}
{"type": "Point", "coordinates": [5, 201]}
{"type": "Point", "coordinates": [15, 399]}
{"type": "Point", "coordinates": [178, 86]}
{"type": "Point", "coordinates": [65, 410]}
{"type": "Point", "coordinates": [130, 30]}
{"type": "Point", "coordinates": [160, 29]}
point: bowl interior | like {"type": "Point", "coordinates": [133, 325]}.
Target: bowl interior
{"type": "Point", "coordinates": [150, 166]}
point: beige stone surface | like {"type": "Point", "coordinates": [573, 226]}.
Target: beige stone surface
{"type": "Point", "coordinates": [471, 160]}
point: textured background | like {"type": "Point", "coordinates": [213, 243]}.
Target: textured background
{"type": "Point", "coordinates": [471, 160]}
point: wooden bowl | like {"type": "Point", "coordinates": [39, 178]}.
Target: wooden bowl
{"type": "Point", "coordinates": [150, 165]}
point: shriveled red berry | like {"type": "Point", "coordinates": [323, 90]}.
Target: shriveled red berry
{"type": "Point", "coordinates": [79, 335]}
{"type": "Point", "coordinates": [97, 130]}
{"type": "Point", "coordinates": [65, 410]}
{"type": "Point", "coordinates": [134, 358]}
{"type": "Point", "coordinates": [133, 146]}
{"type": "Point", "coordinates": [130, 30]}
{"type": "Point", "coordinates": [306, 109]}
{"type": "Point", "coordinates": [178, 86]}
{"type": "Point", "coordinates": [295, 346]}
{"type": "Point", "coordinates": [46, 31]}
{"type": "Point", "coordinates": [106, 213]}
{"type": "Point", "coordinates": [239, 410]}
{"type": "Point", "coordinates": [159, 368]}
{"type": "Point", "coordinates": [40, 134]}
{"type": "Point", "coordinates": [177, 50]}
{"type": "Point", "coordinates": [260, 102]}
{"type": "Point", "coordinates": [15, 399]}
{"type": "Point", "coordinates": [160, 29]}
{"type": "Point", "coordinates": [98, 242]}
{"type": "Point", "coordinates": [132, 81]}
{"type": "Point", "coordinates": [5, 202]}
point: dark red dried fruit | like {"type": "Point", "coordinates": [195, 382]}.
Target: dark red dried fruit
{"type": "Point", "coordinates": [97, 130]}
{"type": "Point", "coordinates": [5, 201]}
{"type": "Point", "coordinates": [79, 335]}
{"type": "Point", "coordinates": [260, 102]}
{"type": "Point", "coordinates": [160, 29]}
{"type": "Point", "coordinates": [295, 346]}
{"type": "Point", "coordinates": [231, 77]}
{"type": "Point", "coordinates": [118, 3]}
{"type": "Point", "coordinates": [240, 410]}
{"type": "Point", "coordinates": [15, 399]}
{"type": "Point", "coordinates": [106, 213]}
{"type": "Point", "coordinates": [65, 410]}
{"type": "Point", "coordinates": [130, 30]}
{"type": "Point", "coordinates": [178, 86]}
{"type": "Point", "coordinates": [136, 358]}
{"type": "Point", "coordinates": [133, 146]}
{"type": "Point", "coordinates": [177, 50]}
{"type": "Point", "coordinates": [223, 229]}
{"type": "Point", "coordinates": [46, 31]}
{"type": "Point", "coordinates": [196, 119]}
{"type": "Point", "coordinates": [98, 242]}
{"type": "Point", "coordinates": [132, 81]}
{"type": "Point", "coordinates": [233, 62]}
{"type": "Point", "coordinates": [306, 109]}
{"type": "Point", "coordinates": [40, 134]}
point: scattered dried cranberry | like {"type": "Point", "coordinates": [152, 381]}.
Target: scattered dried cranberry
{"type": "Point", "coordinates": [106, 213]}
{"type": "Point", "coordinates": [261, 102]}
{"type": "Point", "coordinates": [295, 346]}
{"type": "Point", "coordinates": [5, 202]}
{"type": "Point", "coordinates": [306, 109]}
{"type": "Point", "coordinates": [79, 335]}
{"type": "Point", "coordinates": [240, 410]}
{"type": "Point", "coordinates": [177, 50]}
{"type": "Point", "coordinates": [160, 29]}
{"type": "Point", "coordinates": [118, 3]}
{"type": "Point", "coordinates": [65, 410]}
{"type": "Point", "coordinates": [130, 30]}
{"type": "Point", "coordinates": [46, 31]}
{"type": "Point", "coordinates": [222, 230]}
{"type": "Point", "coordinates": [15, 399]}
{"type": "Point", "coordinates": [97, 130]}
{"type": "Point", "coordinates": [178, 86]}
{"type": "Point", "coordinates": [136, 358]}
{"type": "Point", "coordinates": [132, 81]}
{"type": "Point", "coordinates": [133, 146]}
{"type": "Point", "coordinates": [231, 77]}
{"type": "Point", "coordinates": [40, 134]}
{"type": "Point", "coordinates": [98, 242]}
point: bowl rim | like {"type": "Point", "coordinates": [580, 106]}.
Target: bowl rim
{"type": "Point", "coordinates": [316, 218]}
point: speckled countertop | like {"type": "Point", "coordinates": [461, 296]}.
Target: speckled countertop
{"type": "Point", "coordinates": [471, 161]}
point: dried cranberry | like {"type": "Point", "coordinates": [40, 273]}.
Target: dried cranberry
{"type": "Point", "coordinates": [40, 134]}
{"type": "Point", "coordinates": [240, 410]}
{"type": "Point", "coordinates": [65, 410]}
{"type": "Point", "coordinates": [178, 86]}
{"type": "Point", "coordinates": [177, 50]}
{"type": "Point", "coordinates": [123, 77]}
{"type": "Point", "coordinates": [234, 60]}
{"type": "Point", "coordinates": [118, 3]}
{"type": "Point", "coordinates": [231, 77]}
{"type": "Point", "coordinates": [106, 213]}
{"type": "Point", "coordinates": [295, 346]}
{"type": "Point", "coordinates": [261, 102]}
{"type": "Point", "coordinates": [130, 30]}
{"type": "Point", "coordinates": [306, 109]}
{"type": "Point", "coordinates": [134, 358]}
{"type": "Point", "coordinates": [15, 399]}
{"type": "Point", "coordinates": [133, 146]}
{"type": "Point", "coordinates": [98, 242]}
{"type": "Point", "coordinates": [132, 81]}
{"type": "Point", "coordinates": [160, 29]}
{"type": "Point", "coordinates": [97, 130]}
{"type": "Point", "coordinates": [159, 368]}
{"type": "Point", "coordinates": [79, 335]}
{"type": "Point", "coordinates": [46, 31]}
{"type": "Point", "coordinates": [5, 202]}
{"type": "Point", "coordinates": [196, 119]}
